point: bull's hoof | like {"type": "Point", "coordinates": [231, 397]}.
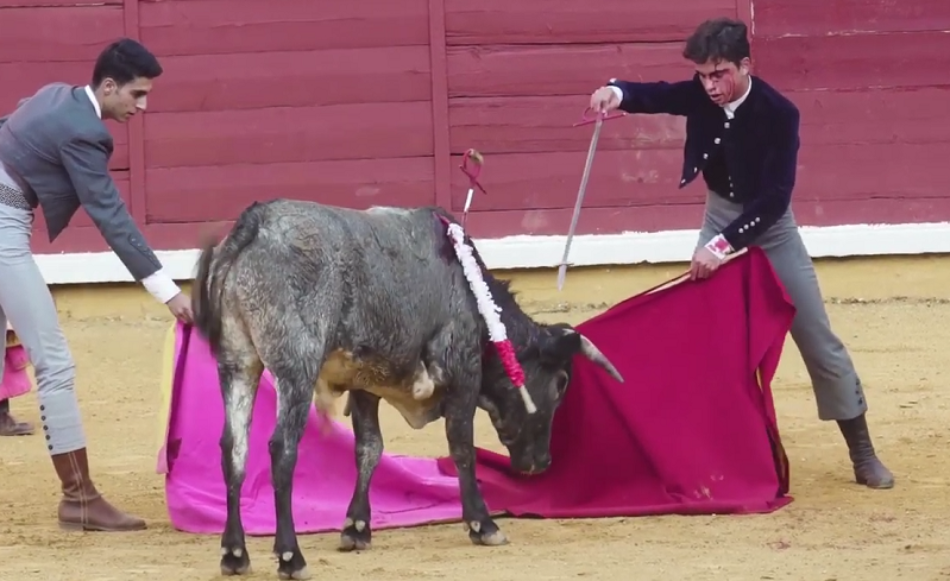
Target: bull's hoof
{"type": "Point", "coordinates": [292, 565]}
{"type": "Point", "coordinates": [356, 535]}
{"type": "Point", "coordinates": [486, 533]}
{"type": "Point", "coordinates": [235, 561]}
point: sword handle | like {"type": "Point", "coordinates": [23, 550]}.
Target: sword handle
{"type": "Point", "coordinates": [587, 119]}
{"type": "Point", "coordinates": [475, 170]}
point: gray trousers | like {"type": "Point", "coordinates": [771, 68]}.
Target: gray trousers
{"type": "Point", "coordinates": [28, 304]}
{"type": "Point", "coordinates": [838, 391]}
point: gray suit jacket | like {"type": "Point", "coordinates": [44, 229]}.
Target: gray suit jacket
{"type": "Point", "coordinates": [56, 146]}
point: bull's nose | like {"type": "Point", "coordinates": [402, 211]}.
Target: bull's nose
{"type": "Point", "coordinates": [543, 463]}
{"type": "Point", "coordinates": [538, 467]}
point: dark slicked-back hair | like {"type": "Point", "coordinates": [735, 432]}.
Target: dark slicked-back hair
{"type": "Point", "coordinates": [123, 61]}
{"type": "Point", "coordinates": [718, 39]}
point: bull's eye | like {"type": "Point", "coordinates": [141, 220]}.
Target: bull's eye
{"type": "Point", "coordinates": [560, 383]}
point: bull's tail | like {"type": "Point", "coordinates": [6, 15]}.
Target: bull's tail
{"type": "Point", "coordinates": [206, 318]}
{"type": "Point", "coordinates": [213, 268]}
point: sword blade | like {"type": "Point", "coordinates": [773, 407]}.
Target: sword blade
{"type": "Point", "coordinates": [562, 268]}
{"type": "Point", "coordinates": [468, 198]}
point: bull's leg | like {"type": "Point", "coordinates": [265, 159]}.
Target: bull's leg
{"type": "Point", "coordinates": [357, 532]}
{"type": "Point", "coordinates": [239, 374]}
{"type": "Point", "coordinates": [293, 405]}
{"type": "Point", "coordinates": [460, 407]}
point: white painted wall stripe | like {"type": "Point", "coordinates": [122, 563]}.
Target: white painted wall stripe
{"type": "Point", "coordinates": [545, 251]}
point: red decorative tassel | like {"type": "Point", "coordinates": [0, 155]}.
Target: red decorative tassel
{"type": "Point", "coordinates": [506, 352]}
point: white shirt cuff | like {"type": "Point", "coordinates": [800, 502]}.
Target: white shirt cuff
{"type": "Point", "coordinates": [617, 92]}
{"type": "Point", "coordinates": [161, 286]}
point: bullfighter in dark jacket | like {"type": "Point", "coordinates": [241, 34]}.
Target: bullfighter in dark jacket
{"type": "Point", "coordinates": [742, 137]}
{"type": "Point", "coordinates": [54, 156]}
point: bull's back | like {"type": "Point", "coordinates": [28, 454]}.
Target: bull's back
{"type": "Point", "coordinates": [386, 247]}
{"type": "Point", "coordinates": [384, 271]}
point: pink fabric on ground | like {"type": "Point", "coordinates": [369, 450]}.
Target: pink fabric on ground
{"type": "Point", "coordinates": [405, 491]}
{"type": "Point", "coordinates": [692, 431]}
{"type": "Point", "coordinates": [16, 380]}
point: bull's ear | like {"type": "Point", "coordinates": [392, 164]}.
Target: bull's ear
{"type": "Point", "coordinates": [559, 346]}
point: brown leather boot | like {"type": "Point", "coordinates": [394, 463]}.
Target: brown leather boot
{"type": "Point", "coordinates": [82, 507]}
{"type": "Point", "coordinates": [868, 469]}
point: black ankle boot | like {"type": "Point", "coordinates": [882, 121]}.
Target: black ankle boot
{"type": "Point", "coordinates": [868, 469]}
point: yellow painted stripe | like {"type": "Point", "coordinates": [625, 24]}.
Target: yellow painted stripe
{"type": "Point", "coordinates": [167, 385]}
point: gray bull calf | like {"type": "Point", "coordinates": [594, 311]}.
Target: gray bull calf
{"type": "Point", "coordinates": [373, 303]}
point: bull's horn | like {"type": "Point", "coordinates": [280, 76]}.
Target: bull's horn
{"type": "Point", "coordinates": [593, 353]}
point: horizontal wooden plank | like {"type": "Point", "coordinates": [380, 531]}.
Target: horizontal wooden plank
{"type": "Point", "coordinates": [505, 71]}
{"type": "Point", "coordinates": [31, 76]}
{"type": "Point", "coordinates": [293, 79]}
{"type": "Point", "coordinates": [180, 236]}
{"type": "Point", "coordinates": [664, 217]}
{"type": "Point", "coordinates": [56, 3]}
{"type": "Point", "coordinates": [190, 194]}
{"type": "Point", "coordinates": [857, 62]}
{"type": "Point", "coordinates": [648, 177]}
{"type": "Point", "coordinates": [540, 181]}
{"type": "Point", "coordinates": [904, 210]}
{"type": "Point", "coordinates": [176, 27]}
{"type": "Point", "coordinates": [188, 235]}
{"type": "Point", "coordinates": [495, 125]}
{"type": "Point", "coordinates": [289, 134]}
{"type": "Point", "coordinates": [81, 218]}
{"type": "Point", "coordinates": [574, 21]}
{"type": "Point", "coordinates": [881, 170]}
{"type": "Point", "coordinates": [916, 116]}
{"type": "Point", "coordinates": [544, 124]}
{"type": "Point", "coordinates": [775, 18]}
{"type": "Point", "coordinates": [64, 33]}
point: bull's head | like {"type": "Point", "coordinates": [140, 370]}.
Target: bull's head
{"type": "Point", "coordinates": [546, 361]}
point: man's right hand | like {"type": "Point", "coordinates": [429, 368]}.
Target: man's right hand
{"type": "Point", "coordinates": [604, 100]}
{"type": "Point", "coordinates": [180, 307]}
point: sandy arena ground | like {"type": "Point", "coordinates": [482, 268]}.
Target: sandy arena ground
{"type": "Point", "coordinates": [834, 530]}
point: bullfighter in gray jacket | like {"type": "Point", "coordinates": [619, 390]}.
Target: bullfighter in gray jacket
{"type": "Point", "coordinates": [54, 155]}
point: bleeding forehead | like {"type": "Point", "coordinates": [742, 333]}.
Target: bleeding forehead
{"type": "Point", "coordinates": [711, 67]}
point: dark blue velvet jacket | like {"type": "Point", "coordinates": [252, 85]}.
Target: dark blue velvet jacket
{"type": "Point", "coordinates": [759, 147]}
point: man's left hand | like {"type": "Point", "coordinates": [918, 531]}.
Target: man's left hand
{"type": "Point", "coordinates": [704, 264]}
{"type": "Point", "coordinates": [180, 307]}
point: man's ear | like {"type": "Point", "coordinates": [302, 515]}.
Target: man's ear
{"type": "Point", "coordinates": [745, 66]}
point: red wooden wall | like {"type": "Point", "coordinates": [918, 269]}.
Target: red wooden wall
{"type": "Point", "coordinates": [870, 79]}
{"type": "Point", "coordinates": [372, 102]}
